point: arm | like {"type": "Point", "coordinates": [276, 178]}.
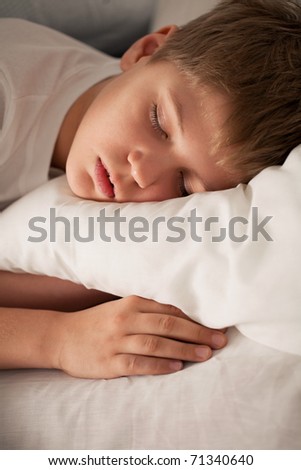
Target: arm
{"type": "Point", "coordinates": [129, 336]}
{"type": "Point", "coordinates": [27, 338]}
{"type": "Point", "coordinates": [43, 292]}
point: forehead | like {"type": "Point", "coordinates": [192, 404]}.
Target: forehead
{"type": "Point", "coordinates": [201, 112]}
{"type": "Point", "coordinates": [197, 102]}
{"type": "Point", "coordinates": [204, 112]}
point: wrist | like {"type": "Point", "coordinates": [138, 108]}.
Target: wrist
{"type": "Point", "coordinates": [28, 338]}
{"type": "Point", "coordinates": [54, 339]}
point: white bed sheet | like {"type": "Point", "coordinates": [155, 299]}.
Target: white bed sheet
{"type": "Point", "coordinates": [248, 396]}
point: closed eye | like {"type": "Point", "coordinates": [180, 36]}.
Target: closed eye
{"type": "Point", "coordinates": [183, 191]}
{"type": "Point", "coordinates": [155, 121]}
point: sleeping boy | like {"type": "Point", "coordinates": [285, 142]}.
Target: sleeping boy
{"type": "Point", "coordinates": [197, 108]}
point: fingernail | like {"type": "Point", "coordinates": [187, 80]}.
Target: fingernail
{"type": "Point", "coordinates": [176, 365]}
{"type": "Point", "coordinates": [218, 340]}
{"type": "Point", "coordinates": [203, 352]}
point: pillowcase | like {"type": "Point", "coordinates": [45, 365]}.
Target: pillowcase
{"type": "Point", "coordinates": [225, 258]}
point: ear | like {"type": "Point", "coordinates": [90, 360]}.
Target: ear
{"type": "Point", "coordinates": [145, 46]}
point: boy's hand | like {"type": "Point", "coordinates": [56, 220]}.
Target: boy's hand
{"type": "Point", "coordinates": [131, 336]}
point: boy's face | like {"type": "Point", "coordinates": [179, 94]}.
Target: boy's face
{"type": "Point", "coordinates": [147, 136]}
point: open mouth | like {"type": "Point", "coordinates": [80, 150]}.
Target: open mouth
{"type": "Point", "coordinates": [103, 180]}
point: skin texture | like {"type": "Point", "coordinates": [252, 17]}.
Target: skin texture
{"type": "Point", "coordinates": [153, 133]}
{"type": "Point", "coordinates": [129, 336]}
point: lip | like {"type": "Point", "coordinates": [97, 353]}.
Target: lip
{"type": "Point", "coordinates": [103, 180]}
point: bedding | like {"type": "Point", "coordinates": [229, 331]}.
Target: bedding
{"type": "Point", "coordinates": [246, 397]}
{"type": "Point", "coordinates": [226, 258]}
{"type": "Point", "coordinates": [110, 26]}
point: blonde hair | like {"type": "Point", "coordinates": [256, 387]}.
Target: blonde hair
{"type": "Point", "coordinates": [250, 50]}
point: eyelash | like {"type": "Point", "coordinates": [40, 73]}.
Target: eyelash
{"type": "Point", "coordinates": [183, 190]}
{"type": "Point", "coordinates": [156, 123]}
{"type": "Point", "coordinates": [157, 127]}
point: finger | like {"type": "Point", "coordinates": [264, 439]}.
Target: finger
{"type": "Point", "coordinates": [156, 346]}
{"type": "Point", "coordinates": [148, 305]}
{"type": "Point", "coordinates": [223, 330]}
{"type": "Point", "coordinates": [131, 364]}
{"type": "Point", "coordinates": [181, 329]}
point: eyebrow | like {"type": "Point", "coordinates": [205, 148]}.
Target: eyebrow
{"type": "Point", "coordinates": [178, 108]}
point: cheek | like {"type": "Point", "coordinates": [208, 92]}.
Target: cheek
{"type": "Point", "coordinates": [120, 115]}
{"type": "Point", "coordinates": [162, 191]}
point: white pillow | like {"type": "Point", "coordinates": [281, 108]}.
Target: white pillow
{"type": "Point", "coordinates": [252, 284]}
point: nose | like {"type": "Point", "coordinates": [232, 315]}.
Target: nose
{"type": "Point", "coordinates": [146, 169]}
